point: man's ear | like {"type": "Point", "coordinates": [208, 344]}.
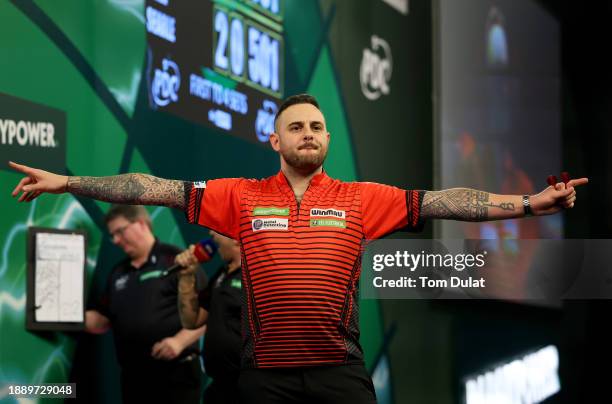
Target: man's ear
{"type": "Point", "coordinates": [274, 141]}
{"type": "Point", "coordinates": [142, 223]}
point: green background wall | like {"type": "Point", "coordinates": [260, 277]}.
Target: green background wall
{"type": "Point", "coordinates": [87, 58]}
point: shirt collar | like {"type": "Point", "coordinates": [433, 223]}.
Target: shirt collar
{"type": "Point", "coordinates": [153, 256]}
{"type": "Point", "coordinates": [152, 259]}
{"type": "Point", "coordinates": [321, 179]}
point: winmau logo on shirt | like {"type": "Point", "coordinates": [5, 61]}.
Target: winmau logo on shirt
{"type": "Point", "coordinates": [340, 214]}
{"type": "Point", "coordinates": [25, 133]}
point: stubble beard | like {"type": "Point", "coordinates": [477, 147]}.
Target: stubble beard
{"type": "Point", "coordinates": [305, 164]}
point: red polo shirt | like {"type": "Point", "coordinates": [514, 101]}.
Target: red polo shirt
{"type": "Point", "coordinates": [301, 262]}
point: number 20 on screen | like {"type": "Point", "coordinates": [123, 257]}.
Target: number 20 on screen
{"type": "Point", "coordinates": [242, 49]}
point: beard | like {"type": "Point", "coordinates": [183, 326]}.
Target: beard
{"type": "Point", "coordinates": [305, 163]}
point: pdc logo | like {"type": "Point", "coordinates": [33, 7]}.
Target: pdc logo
{"type": "Point", "coordinates": [166, 83]}
{"type": "Point", "coordinates": [257, 224]}
{"type": "Point", "coordinates": [376, 69]}
{"type": "Point", "coordinates": [264, 124]}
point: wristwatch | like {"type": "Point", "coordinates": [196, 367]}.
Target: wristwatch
{"type": "Point", "coordinates": [527, 206]}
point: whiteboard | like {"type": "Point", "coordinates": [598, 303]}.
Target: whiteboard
{"type": "Point", "coordinates": [56, 279]}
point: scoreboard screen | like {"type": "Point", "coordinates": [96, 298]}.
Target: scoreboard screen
{"type": "Point", "coordinates": [219, 63]}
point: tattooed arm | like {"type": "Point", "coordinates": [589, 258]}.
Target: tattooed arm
{"type": "Point", "coordinates": [134, 189]}
{"type": "Point", "coordinates": [470, 205]}
{"type": "Point", "coordinates": [192, 315]}
{"type": "Point", "coordinates": [476, 206]}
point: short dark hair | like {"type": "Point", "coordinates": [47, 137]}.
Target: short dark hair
{"type": "Point", "coordinates": [294, 100]}
{"type": "Point", "coordinates": [130, 212]}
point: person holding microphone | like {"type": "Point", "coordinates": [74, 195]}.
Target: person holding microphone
{"type": "Point", "coordinates": [218, 306]}
{"type": "Point", "coordinates": [158, 357]}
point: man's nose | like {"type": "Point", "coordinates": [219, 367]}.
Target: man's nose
{"type": "Point", "coordinates": [308, 135]}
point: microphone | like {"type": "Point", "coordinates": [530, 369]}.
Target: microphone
{"type": "Point", "coordinates": [204, 251]}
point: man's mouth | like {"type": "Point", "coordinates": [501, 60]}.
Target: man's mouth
{"type": "Point", "coordinates": [310, 146]}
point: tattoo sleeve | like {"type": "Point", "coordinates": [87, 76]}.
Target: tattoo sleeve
{"type": "Point", "coordinates": [467, 205]}
{"type": "Point", "coordinates": [188, 305]}
{"type": "Point", "coordinates": [133, 189]}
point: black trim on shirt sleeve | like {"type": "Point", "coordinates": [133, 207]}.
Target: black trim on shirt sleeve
{"type": "Point", "coordinates": [414, 205]}
{"type": "Point", "coordinates": [193, 201]}
{"type": "Point", "coordinates": [187, 185]}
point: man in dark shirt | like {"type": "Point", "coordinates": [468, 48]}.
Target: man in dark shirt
{"type": "Point", "coordinates": [158, 358]}
{"type": "Point", "coordinates": [219, 307]}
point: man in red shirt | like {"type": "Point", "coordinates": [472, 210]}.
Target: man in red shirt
{"type": "Point", "coordinates": [300, 233]}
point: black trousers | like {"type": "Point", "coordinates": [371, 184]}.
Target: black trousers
{"type": "Point", "coordinates": [162, 382]}
{"type": "Point", "coordinates": [222, 391]}
{"type": "Point", "coordinates": [348, 384]}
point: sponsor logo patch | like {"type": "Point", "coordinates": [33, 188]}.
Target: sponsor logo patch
{"type": "Point", "coordinates": [327, 223]}
{"type": "Point", "coordinates": [150, 275]}
{"type": "Point", "coordinates": [340, 214]}
{"type": "Point", "coordinates": [270, 224]}
{"type": "Point", "coordinates": [121, 282]}
{"type": "Point", "coordinates": [270, 211]}
{"type": "Point", "coordinates": [199, 184]}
